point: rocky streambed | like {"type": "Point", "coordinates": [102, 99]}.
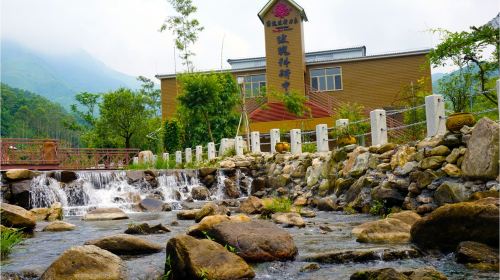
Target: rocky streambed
{"type": "Point", "coordinates": [327, 232]}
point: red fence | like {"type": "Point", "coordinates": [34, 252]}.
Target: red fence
{"type": "Point", "coordinates": [45, 154]}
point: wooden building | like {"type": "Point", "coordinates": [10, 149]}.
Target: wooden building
{"type": "Point", "coordinates": [326, 78]}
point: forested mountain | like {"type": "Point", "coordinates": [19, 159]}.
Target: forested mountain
{"type": "Point", "coordinates": [28, 115]}
{"type": "Point", "coordinates": [58, 77]}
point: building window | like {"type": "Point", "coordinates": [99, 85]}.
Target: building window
{"type": "Point", "coordinates": [326, 79]}
{"type": "Point", "coordinates": [253, 85]}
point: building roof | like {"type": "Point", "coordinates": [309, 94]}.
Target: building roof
{"type": "Point", "coordinates": [349, 59]}
{"type": "Point", "coordinates": [276, 111]}
{"type": "Point", "coordinates": [271, 3]}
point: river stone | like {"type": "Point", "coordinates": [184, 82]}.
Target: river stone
{"type": "Point", "coordinates": [360, 165]}
{"type": "Point", "coordinates": [453, 156]}
{"type": "Point", "coordinates": [423, 178]}
{"type": "Point", "coordinates": [387, 230]}
{"type": "Point", "coordinates": [19, 174]}
{"type": "Point", "coordinates": [433, 162]}
{"type": "Point", "coordinates": [190, 256]}
{"type": "Point", "coordinates": [187, 214]}
{"type": "Point", "coordinates": [450, 192]}
{"type": "Point", "coordinates": [403, 154]}
{"type": "Point", "coordinates": [59, 226]}
{"type": "Point", "coordinates": [231, 189]}
{"type": "Point", "coordinates": [151, 204]}
{"type": "Point", "coordinates": [200, 193]}
{"type": "Point", "coordinates": [256, 241]}
{"type": "Point", "coordinates": [205, 171]}
{"type": "Point", "coordinates": [406, 168]}
{"type": "Point", "coordinates": [390, 196]}
{"type": "Point", "coordinates": [251, 205]}
{"type": "Point", "coordinates": [209, 222]}
{"type": "Point", "coordinates": [482, 256]}
{"type": "Point", "coordinates": [40, 214]}
{"type": "Point", "coordinates": [451, 224]}
{"type": "Point", "coordinates": [423, 273]}
{"type": "Point", "coordinates": [17, 217]}
{"type": "Point", "coordinates": [441, 150]}
{"type": "Point", "coordinates": [481, 157]}
{"type": "Point", "coordinates": [362, 255]}
{"type": "Point", "coordinates": [289, 219]}
{"type": "Point", "coordinates": [67, 176]}
{"type": "Point", "coordinates": [145, 228]}
{"type": "Point", "coordinates": [20, 193]}
{"type": "Point", "coordinates": [211, 209]}
{"type": "Point", "coordinates": [326, 204]}
{"type": "Point", "coordinates": [452, 170]}
{"type": "Point", "coordinates": [103, 214]}
{"type": "Point", "coordinates": [86, 263]}
{"type": "Point", "coordinates": [125, 244]}
{"type": "Point", "coordinates": [408, 217]}
{"type": "Point", "coordinates": [258, 184]}
{"type": "Point", "coordinates": [55, 212]}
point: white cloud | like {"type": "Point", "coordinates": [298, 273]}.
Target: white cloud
{"type": "Point", "coordinates": [124, 33]}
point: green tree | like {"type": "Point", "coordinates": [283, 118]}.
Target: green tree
{"type": "Point", "coordinates": [152, 93]}
{"type": "Point", "coordinates": [184, 28]}
{"type": "Point", "coordinates": [172, 137]}
{"type": "Point", "coordinates": [353, 112]}
{"type": "Point", "coordinates": [207, 106]}
{"type": "Point", "coordinates": [88, 103]}
{"type": "Point", "coordinates": [466, 48]}
{"type": "Point", "coordinates": [123, 114]}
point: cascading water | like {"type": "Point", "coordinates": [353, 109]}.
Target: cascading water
{"type": "Point", "coordinates": [218, 193]}
{"type": "Point", "coordinates": [93, 189]}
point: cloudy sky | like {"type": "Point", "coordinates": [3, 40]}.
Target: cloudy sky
{"type": "Point", "coordinates": [124, 33]}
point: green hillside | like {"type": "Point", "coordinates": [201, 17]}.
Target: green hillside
{"type": "Point", "coordinates": [28, 115]}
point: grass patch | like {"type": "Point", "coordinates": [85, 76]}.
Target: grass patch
{"type": "Point", "coordinates": [309, 148]}
{"type": "Point", "coordinates": [275, 205]}
{"type": "Point", "coordinates": [9, 238]}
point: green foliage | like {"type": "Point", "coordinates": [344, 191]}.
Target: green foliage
{"type": "Point", "coordinates": [207, 236]}
{"type": "Point", "coordinates": [27, 115]}
{"type": "Point", "coordinates": [168, 269]}
{"type": "Point", "coordinates": [89, 102]}
{"type": "Point", "coordinates": [456, 89]}
{"type": "Point", "coordinates": [152, 94]}
{"type": "Point", "coordinates": [184, 29]}
{"type": "Point", "coordinates": [122, 116]}
{"type": "Point", "coordinates": [309, 147]}
{"type": "Point", "coordinates": [207, 105]}
{"type": "Point", "coordinates": [172, 137]}
{"type": "Point", "coordinates": [277, 205]}
{"type": "Point", "coordinates": [378, 208]}
{"type": "Point", "coordinates": [9, 238]}
{"type": "Point", "coordinates": [294, 102]}
{"type": "Point", "coordinates": [203, 274]}
{"type": "Point", "coordinates": [466, 48]}
{"type": "Point", "coordinates": [349, 210]}
{"type": "Point", "coordinates": [353, 112]}
{"type": "Point", "coordinates": [230, 248]}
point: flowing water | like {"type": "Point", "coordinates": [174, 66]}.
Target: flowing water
{"type": "Point", "coordinates": [112, 189]}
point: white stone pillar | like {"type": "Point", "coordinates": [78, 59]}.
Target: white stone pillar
{"type": "Point", "coordinates": [322, 138]}
{"type": "Point", "coordinates": [498, 95]}
{"type": "Point", "coordinates": [155, 158]}
{"type": "Point", "coordinates": [199, 153]}
{"type": "Point", "coordinates": [211, 150]}
{"type": "Point", "coordinates": [178, 157]}
{"type": "Point", "coordinates": [295, 141]}
{"type": "Point", "coordinates": [255, 138]}
{"type": "Point", "coordinates": [188, 155]}
{"type": "Point", "coordinates": [165, 156]}
{"type": "Point", "coordinates": [275, 138]}
{"type": "Point", "coordinates": [135, 160]}
{"type": "Point", "coordinates": [238, 145]}
{"type": "Point", "coordinates": [435, 115]}
{"type": "Point", "coordinates": [224, 145]}
{"type": "Point", "coordinates": [342, 122]}
{"type": "Point", "coordinates": [378, 124]}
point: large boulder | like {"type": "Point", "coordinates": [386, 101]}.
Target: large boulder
{"type": "Point", "coordinates": [451, 224]}
{"type": "Point", "coordinates": [256, 241]}
{"type": "Point", "coordinates": [191, 258]}
{"type": "Point", "coordinates": [251, 205]}
{"type": "Point", "coordinates": [125, 244]}
{"type": "Point", "coordinates": [481, 157]}
{"type": "Point", "coordinates": [145, 157]}
{"type": "Point", "coordinates": [19, 174]}
{"type": "Point", "coordinates": [207, 223]}
{"type": "Point", "coordinates": [55, 212]}
{"type": "Point", "coordinates": [145, 228]}
{"type": "Point", "coordinates": [477, 255]}
{"type": "Point", "coordinates": [103, 214]}
{"type": "Point", "coordinates": [59, 226]}
{"type": "Point", "coordinates": [450, 192]}
{"type": "Point", "coordinates": [362, 255]}
{"type": "Point", "coordinates": [86, 263]}
{"type": "Point", "coordinates": [231, 189]}
{"type": "Point", "coordinates": [394, 229]}
{"type": "Point", "coordinates": [20, 193]}
{"type": "Point", "coordinates": [17, 217]}
{"type": "Point", "coordinates": [189, 214]}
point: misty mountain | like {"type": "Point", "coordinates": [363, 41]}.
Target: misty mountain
{"type": "Point", "coordinates": [58, 77]}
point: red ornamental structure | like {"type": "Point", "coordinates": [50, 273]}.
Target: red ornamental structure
{"type": "Point", "coordinates": [46, 154]}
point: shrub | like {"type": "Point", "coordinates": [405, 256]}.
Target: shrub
{"type": "Point", "coordinates": [9, 238]}
{"type": "Point", "coordinates": [309, 147]}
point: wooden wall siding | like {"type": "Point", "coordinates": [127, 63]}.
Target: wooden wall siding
{"type": "Point", "coordinates": [168, 98]}
{"type": "Point", "coordinates": [295, 48]}
{"type": "Point", "coordinates": [377, 83]}
{"type": "Point", "coordinates": [286, 126]}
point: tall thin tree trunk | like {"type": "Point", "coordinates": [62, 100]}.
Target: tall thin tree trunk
{"type": "Point", "coordinates": [205, 114]}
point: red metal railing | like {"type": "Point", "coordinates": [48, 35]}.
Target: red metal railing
{"type": "Point", "coordinates": [46, 154]}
